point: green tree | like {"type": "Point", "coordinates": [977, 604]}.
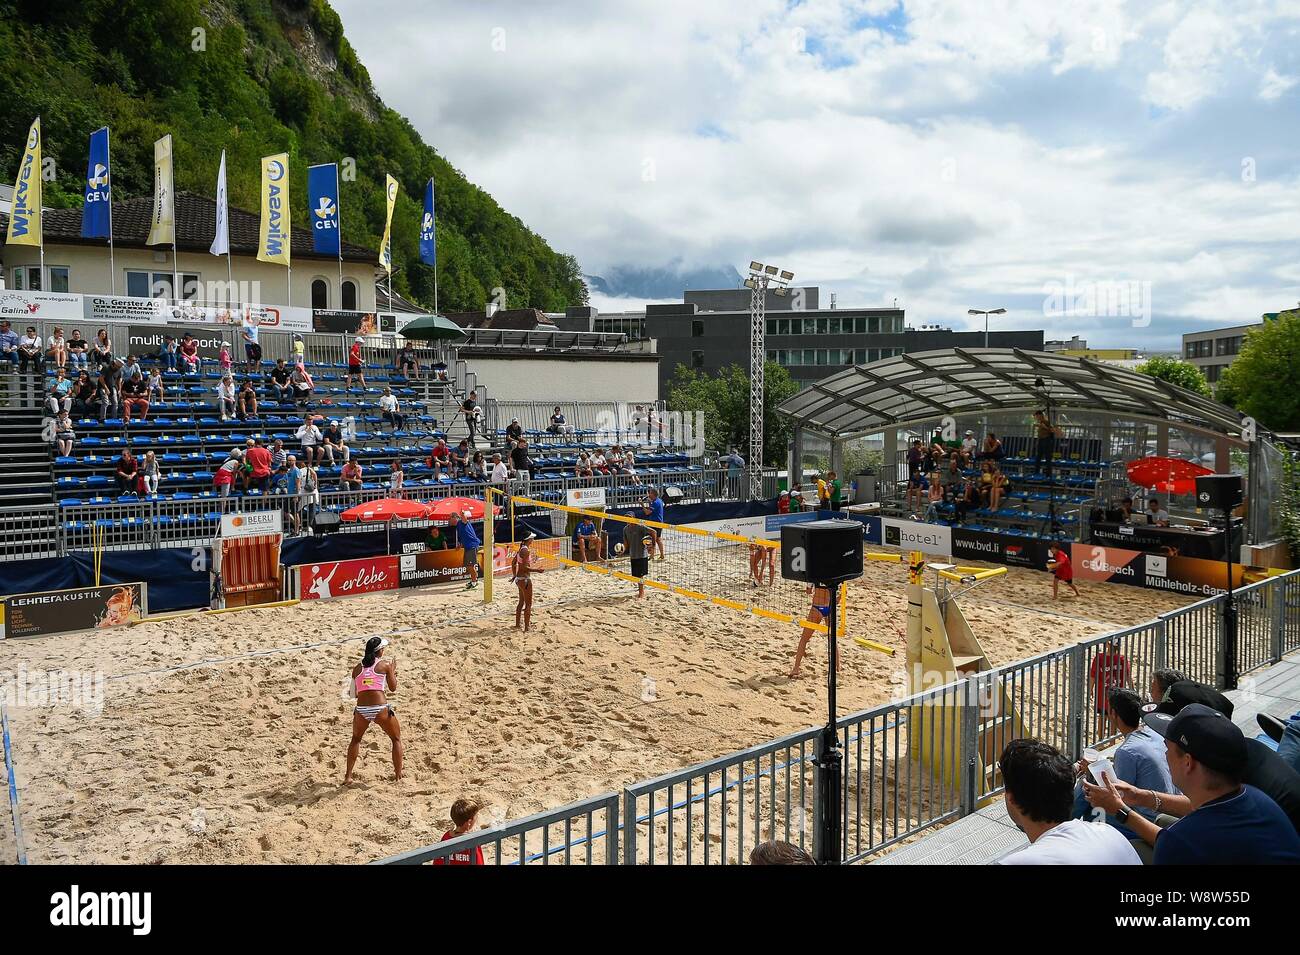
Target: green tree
{"type": "Point", "coordinates": [1264, 379]}
{"type": "Point", "coordinates": [1176, 372]}
{"type": "Point", "coordinates": [724, 401]}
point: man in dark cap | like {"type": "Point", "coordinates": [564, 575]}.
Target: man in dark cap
{"type": "Point", "coordinates": [1224, 820]}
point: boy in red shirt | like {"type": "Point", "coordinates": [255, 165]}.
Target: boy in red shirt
{"type": "Point", "coordinates": [1062, 570]}
{"type": "Point", "coordinates": [464, 813]}
{"type": "Point", "coordinates": [259, 459]}
{"type": "Point", "coordinates": [354, 364]}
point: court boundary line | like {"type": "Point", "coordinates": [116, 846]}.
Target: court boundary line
{"type": "Point", "coordinates": [14, 813]}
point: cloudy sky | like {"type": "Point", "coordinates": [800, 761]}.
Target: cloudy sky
{"type": "Point", "coordinates": [1124, 171]}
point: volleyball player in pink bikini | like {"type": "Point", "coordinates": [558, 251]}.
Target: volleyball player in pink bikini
{"type": "Point", "coordinates": [372, 678]}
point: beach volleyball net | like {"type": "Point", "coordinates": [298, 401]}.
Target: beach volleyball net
{"type": "Point", "coordinates": [732, 572]}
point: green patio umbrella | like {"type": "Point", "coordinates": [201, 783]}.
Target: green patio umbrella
{"type": "Point", "coordinates": [432, 328]}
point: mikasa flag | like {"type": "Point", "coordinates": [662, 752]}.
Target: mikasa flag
{"type": "Point", "coordinates": [162, 227]}
{"type": "Point", "coordinates": [25, 220]}
{"type": "Point", "coordinates": [273, 240]}
{"type": "Point", "coordinates": [386, 248]}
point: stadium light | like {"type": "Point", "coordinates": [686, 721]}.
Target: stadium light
{"type": "Point", "coordinates": [755, 266]}
{"type": "Point", "coordinates": [761, 278]}
{"type": "Point", "coordinates": [986, 313]}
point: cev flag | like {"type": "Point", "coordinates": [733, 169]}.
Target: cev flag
{"type": "Point", "coordinates": [273, 238]}
{"type": "Point", "coordinates": [25, 217]}
{"type": "Point", "coordinates": [386, 247]}
{"type": "Point", "coordinates": [428, 229]}
{"type": "Point", "coordinates": [95, 217]}
{"type": "Point", "coordinates": [162, 227]}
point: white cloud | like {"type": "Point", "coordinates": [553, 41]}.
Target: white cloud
{"type": "Point", "coordinates": [1275, 84]}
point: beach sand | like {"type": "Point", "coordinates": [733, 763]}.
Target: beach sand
{"type": "Point", "coordinates": [222, 737]}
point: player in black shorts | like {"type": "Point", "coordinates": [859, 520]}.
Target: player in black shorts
{"type": "Point", "coordinates": [637, 541]}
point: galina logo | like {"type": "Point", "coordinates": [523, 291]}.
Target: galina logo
{"type": "Point", "coordinates": [325, 210]}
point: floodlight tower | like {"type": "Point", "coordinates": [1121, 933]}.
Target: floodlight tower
{"type": "Point", "coordinates": [761, 277]}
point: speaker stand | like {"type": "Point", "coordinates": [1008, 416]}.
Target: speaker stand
{"type": "Point", "coordinates": [829, 761]}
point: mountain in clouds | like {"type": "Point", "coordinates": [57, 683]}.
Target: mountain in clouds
{"type": "Point", "coordinates": [666, 282]}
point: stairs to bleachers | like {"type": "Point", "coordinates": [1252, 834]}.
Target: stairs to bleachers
{"type": "Point", "coordinates": [26, 488]}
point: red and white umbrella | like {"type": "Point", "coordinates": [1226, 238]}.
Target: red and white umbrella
{"type": "Point", "coordinates": [1170, 475]}
{"type": "Point", "coordinates": [470, 508]}
{"type": "Point", "coordinates": [385, 509]}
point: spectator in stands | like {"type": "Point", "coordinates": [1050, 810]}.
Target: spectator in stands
{"type": "Point", "coordinates": [478, 469]}
{"type": "Point", "coordinates": [226, 396]}
{"type": "Point", "coordinates": [167, 353]}
{"type": "Point", "coordinates": [188, 354]}
{"type": "Point", "coordinates": [460, 458]}
{"type": "Point", "coordinates": [1162, 679]}
{"type": "Point", "coordinates": [299, 350]}
{"type": "Point", "coordinates": [135, 396]}
{"type": "Point", "coordinates": [557, 421]}
{"type": "Point", "coordinates": [1224, 819]}
{"type": "Point", "coordinates": [101, 353]}
{"type": "Point", "coordinates": [279, 461]}
{"type": "Point", "coordinates": [310, 437]}
{"type": "Point", "coordinates": [992, 448]}
{"type": "Point", "coordinates": [64, 436]}
{"type": "Point", "coordinates": [1039, 787]}
{"type": "Point", "coordinates": [776, 852]}
{"type": "Point", "coordinates": [258, 460]}
{"type": "Point", "coordinates": [408, 365]}
{"type": "Point", "coordinates": [1139, 761]}
{"type": "Point", "coordinates": [916, 481]}
{"type": "Point", "coordinates": [332, 443]}
{"type": "Point", "coordinates": [735, 465]}
{"type": "Point", "coordinates": [302, 385]}
{"type": "Point", "coordinates": [127, 472]}
{"type": "Point", "coordinates": [224, 362]}
{"type": "Point", "coordinates": [8, 344]}
{"type": "Point", "coordinates": [599, 465]}
{"type": "Point", "coordinates": [252, 347]}
{"type": "Point", "coordinates": [131, 367]}
{"type": "Point", "coordinates": [1045, 446]}
{"type": "Point", "coordinates": [77, 348]}
{"type": "Point", "coordinates": [309, 492]}
{"type": "Point", "coordinates": [30, 353]}
{"type": "Point", "coordinates": [293, 474]}
{"type": "Point", "coordinates": [83, 395]}
{"type": "Point", "coordinates": [279, 387]}
{"type": "Point", "coordinates": [514, 431]}
{"type": "Point", "coordinates": [224, 478]}
{"type": "Point", "coordinates": [111, 376]}
{"type": "Point", "coordinates": [953, 476]}
{"type": "Point", "coordinates": [61, 388]}
{"type": "Point", "coordinates": [967, 498]}
{"type": "Point", "coordinates": [521, 462]}
{"type": "Point", "coordinates": [350, 478]}
{"type": "Point", "coordinates": [439, 459]}
{"type": "Point", "coordinates": [969, 445]}
{"type": "Point", "coordinates": [629, 466]}
{"type": "Point", "coordinates": [1155, 513]}
{"type": "Point", "coordinates": [500, 473]}
{"type": "Point", "coordinates": [391, 410]}
{"type": "Point", "coordinates": [104, 398]}
{"type": "Point", "coordinates": [56, 349]}
{"type": "Point", "coordinates": [355, 368]}
{"type": "Point", "coordinates": [583, 466]}
{"type": "Point", "coordinates": [615, 459]}
{"type": "Point", "coordinates": [150, 473]}
{"type": "Point", "coordinates": [154, 386]}
{"type": "Point", "coordinates": [469, 408]}
{"type": "Point", "coordinates": [464, 813]}
{"type": "Point", "coordinates": [467, 538]}
{"type": "Point", "coordinates": [246, 401]}
{"type": "Point", "coordinates": [396, 477]}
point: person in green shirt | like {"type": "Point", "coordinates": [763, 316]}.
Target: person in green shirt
{"type": "Point", "coordinates": [836, 488]}
{"type": "Point", "coordinates": [436, 539]}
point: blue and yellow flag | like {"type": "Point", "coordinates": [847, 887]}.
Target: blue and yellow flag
{"type": "Point", "coordinates": [25, 217]}
{"type": "Point", "coordinates": [273, 236]}
{"type": "Point", "coordinates": [386, 247]}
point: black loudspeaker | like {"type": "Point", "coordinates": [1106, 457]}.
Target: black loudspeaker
{"type": "Point", "coordinates": [673, 494]}
{"type": "Point", "coordinates": [326, 522]}
{"type": "Point", "coordinates": [1222, 492]}
{"type": "Point", "coordinates": [821, 552]}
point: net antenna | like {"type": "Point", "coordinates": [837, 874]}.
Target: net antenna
{"type": "Point", "coordinates": [761, 278]}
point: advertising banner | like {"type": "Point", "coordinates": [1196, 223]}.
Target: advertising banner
{"type": "Point", "coordinates": [932, 539]}
{"type": "Point", "coordinates": [252, 523]}
{"type": "Point", "coordinates": [62, 611]}
{"type": "Point", "coordinates": [999, 548]}
{"type": "Point", "coordinates": [112, 308]}
{"type": "Point", "coordinates": [346, 578]}
{"type": "Point", "coordinates": [39, 306]}
{"type": "Point", "coordinates": [433, 567]}
{"type": "Point", "coordinates": [1193, 576]}
{"type": "Point", "coordinates": [144, 340]}
{"type": "Point", "coordinates": [585, 497]}
{"type": "Point", "coordinates": [344, 323]}
{"type": "Point", "coordinates": [323, 195]}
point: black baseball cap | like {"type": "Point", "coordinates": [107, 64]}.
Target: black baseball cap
{"type": "Point", "coordinates": [1183, 693]}
{"type": "Point", "coordinates": [1209, 736]}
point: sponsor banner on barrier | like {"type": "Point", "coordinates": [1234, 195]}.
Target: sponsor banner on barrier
{"type": "Point", "coordinates": [147, 340]}
{"type": "Point", "coordinates": [1193, 576]}
{"type": "Point", "coordinates": [347, 323]}
{"type": "Point", "coordinates": [116, 309]}
{"type": "Point", "coordinates": [932, 539]}
{"type": "Point", "coordinates": [273, 317]}
{"type": "Point", "coordinates": [544, 554]}
{"type": "Point", "coordinates": [62, 611]}
{"type": "Point", "coordinates": [36, 306]}
{"type": "Point", "coordinates": [999, 548]}
{"type": "Point", "coordinates": [252, 523]}
{"type": "Point", "coordinates": [741, 526]}
{"type": "Point", "coordinates": [587, 497]}
{"type": "Point", "coordinates": [346, 578]}
{"type": "Point", "coordinates": [433, 567]}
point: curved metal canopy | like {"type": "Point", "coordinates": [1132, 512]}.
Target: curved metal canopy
{"type": "Point", "coordinates": [916, 388]}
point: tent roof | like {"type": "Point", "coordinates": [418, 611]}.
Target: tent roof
{"type": "Point", "coordinates": [916, 388]}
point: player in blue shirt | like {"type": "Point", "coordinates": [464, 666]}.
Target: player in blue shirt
{"type": "Point", "coordinates": [657, 514]}
{"type": "Point", "coordinates": [466, 538]}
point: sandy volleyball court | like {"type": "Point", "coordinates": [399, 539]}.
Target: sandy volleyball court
{"type": "Point", "coordinates": [222, 738]}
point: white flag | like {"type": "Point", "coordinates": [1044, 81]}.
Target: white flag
{"type": "Point", "coordinates": [221, 241]}
{"type": "Point", "coordinates": [162, 229]}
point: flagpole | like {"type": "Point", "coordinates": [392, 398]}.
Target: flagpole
{"type": "Point", "coordinates": [112, 267]}
{"type": "Point", "coordinates": [40, 203]}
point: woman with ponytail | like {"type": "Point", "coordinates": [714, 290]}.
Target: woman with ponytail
{"type": "Point", "coordinates": [372, 678]}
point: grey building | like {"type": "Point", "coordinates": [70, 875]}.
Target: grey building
{"type": "Point", "coordinates": [1213, 350]}
{"type": "Point", "coordinates": [709, 330]}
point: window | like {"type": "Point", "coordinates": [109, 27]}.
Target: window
{"type": "Point", "coordinates": [697, 331]}
{"type": "Point", "coordinates": [159, 285]}
{"type": "Point", "coordinates": [1222, 346]}
{"type": "Point", "coordinates": [320, 294]}
{"type": "Point", "coordinates": [859, 356]}
{"type": "Point", "coordinates": [27, 277]}
{"type": "Point", "coordinates": [833, 325]}
{"type": "Point", "coordinates": [809, 356]}
{"type": "Point", "coordinates": [58, 277]}
{"type": "Point", "coordinates": [821, 326]}
{"type": "Point", "coordinates": [697, 359]}
{"type": "Point", "coordinates": [350, 295]}
{"type": "Point", "coordinates": [783, 326]}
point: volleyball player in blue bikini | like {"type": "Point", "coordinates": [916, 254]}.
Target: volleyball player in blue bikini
{"type": "Point", "coordinates": [819, 612]}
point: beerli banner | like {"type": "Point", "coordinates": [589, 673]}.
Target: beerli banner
{"type": "Point", "coordinates": [62, 611]}
{"type": "Point", "coordinates": [1193, 576]}
{"type": "Point", "coordinates": [346, 578]}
